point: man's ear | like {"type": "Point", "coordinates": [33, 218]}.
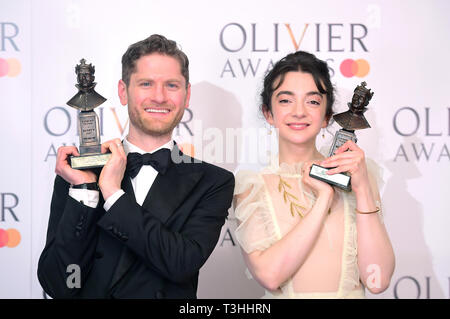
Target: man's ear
{"type": "Point", "coordinates": [267, 114]}
{"type": "Point", "coordinates": [188, 95]}
{"type": "Point", "coordinates": [122, 91]}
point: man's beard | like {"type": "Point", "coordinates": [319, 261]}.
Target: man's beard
{"type": "Point", "coordinates": [160, 129]}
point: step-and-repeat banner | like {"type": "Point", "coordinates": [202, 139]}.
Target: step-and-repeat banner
{"type": "Point", "coordinates": [400, 49]}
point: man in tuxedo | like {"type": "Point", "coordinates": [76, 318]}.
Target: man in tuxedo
{"type": "Point", "coordinates": [144, 226]}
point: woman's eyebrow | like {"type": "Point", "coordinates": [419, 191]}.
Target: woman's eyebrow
{"type": "Point", "coordinates": [284, 92]}
{"type": "Point", "coordinates": [314, 93]}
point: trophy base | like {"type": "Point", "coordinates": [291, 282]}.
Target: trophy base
{"type": "Point", "coordinates": [89, 161]}
{"type": "Point", "coordinates": [340, 138]}
{"type": "Point", "coordinates": [340, 180]}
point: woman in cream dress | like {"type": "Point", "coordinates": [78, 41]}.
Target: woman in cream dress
{"type": "Point", "coordinates": [300, 237]}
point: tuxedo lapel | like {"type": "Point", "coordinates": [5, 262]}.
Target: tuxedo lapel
{"type": "Point", "coordinates": [167, 193]}
{"type": "Point", "coordinates": [169, 190]}
{"type": "Point", "coordinates": [126, 258]}
{"type": "Point", "coordinates": [126, 185]}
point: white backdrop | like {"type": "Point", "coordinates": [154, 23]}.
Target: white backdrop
{"type": "Point", "coordinates": [401, 50]}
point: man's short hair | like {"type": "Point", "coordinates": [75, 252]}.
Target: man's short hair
{"type": "Point", "coordinates": [154, 44]}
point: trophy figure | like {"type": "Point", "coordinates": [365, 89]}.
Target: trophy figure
{"type": "Point", "coordinates": [88, 124]}
{"type": "Point", "coordinates": [351, 120]}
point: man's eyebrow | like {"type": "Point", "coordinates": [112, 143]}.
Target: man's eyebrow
{"type": "Point", "coordinates": [174, 80]}
{"type": "Point", "coordinates": [146, 78]}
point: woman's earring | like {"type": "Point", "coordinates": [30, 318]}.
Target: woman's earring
{"type": "Point", "coordinates": [269, 130]}
{"type": "Point", "coordinates": [323, 134]}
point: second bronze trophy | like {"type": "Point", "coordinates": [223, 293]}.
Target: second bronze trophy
{"type": "Point", "coordinates": [351, 120]}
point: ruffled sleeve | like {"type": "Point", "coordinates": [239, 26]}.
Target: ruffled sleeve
{"type": "Point", "coordinates": [256, 229]}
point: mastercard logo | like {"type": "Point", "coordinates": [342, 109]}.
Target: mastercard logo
{"type": "Point", "coordinates": [9, 238]}
{"type": "Point", "coordinates": [10, 67]}
{"type": "Point", "coordinates": [187, 149]}
{"type": "Point", "coordinates": [359, 68]}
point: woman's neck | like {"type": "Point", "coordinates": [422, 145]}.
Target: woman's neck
{"type": "Point", "coordinates": [293, 153]}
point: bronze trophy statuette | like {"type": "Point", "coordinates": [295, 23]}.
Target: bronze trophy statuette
{"type": "Point", "coordinates": [88, 124]}
{"type": "Point", "coordinates": [350, 121]}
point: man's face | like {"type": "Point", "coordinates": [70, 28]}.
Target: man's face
{"type": "Point", "coordinates": [84, 78]}
{"type": "Point", "coordinates": [156, 95]}
{"type": "Point", "coordinates": [358, 101]}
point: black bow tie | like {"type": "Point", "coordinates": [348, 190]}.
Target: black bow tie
{"type": "Point", "coordinates": [159, 160]}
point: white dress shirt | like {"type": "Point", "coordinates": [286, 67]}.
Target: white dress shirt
{"type": "Point", "coordinates": [141, 183]}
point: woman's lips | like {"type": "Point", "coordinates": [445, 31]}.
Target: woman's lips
{"type": "Point", "coordinates": [298, 126]}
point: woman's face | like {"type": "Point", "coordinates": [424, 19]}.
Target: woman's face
{"type": "Point", "coordinates": [298, 109]}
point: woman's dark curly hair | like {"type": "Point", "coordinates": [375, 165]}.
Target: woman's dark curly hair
{"type": "Point", "coordinates": [304, 62]}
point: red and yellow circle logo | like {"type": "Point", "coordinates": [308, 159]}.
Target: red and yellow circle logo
{"type": "Point", "coordinates": [9, 238]}
{"type": "Point", "coordinates": [10, 67]}
{"type": "Point", "coordinates": [359, 68]}
{"type": "Point", "coordinates": [187, 149]}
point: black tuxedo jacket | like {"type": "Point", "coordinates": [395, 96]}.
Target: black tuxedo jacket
{"type": "Point", "coordinates": [132, 251]}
